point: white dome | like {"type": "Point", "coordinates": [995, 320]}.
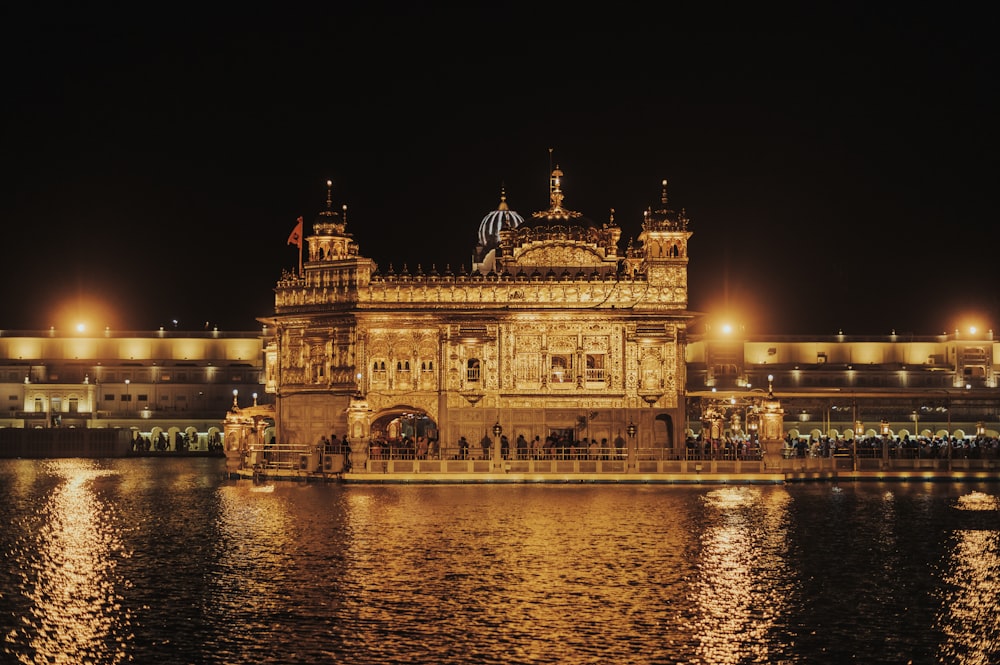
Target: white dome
{"type": "Point", "coordinates": [496, 221]}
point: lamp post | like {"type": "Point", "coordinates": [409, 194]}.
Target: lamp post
{"type": "Point", "coordinates": [497, 431]}
{"type": "Point", "coordinates": [753, 424]}
{"type": "Point", "coordinates": [885, 439]}
{"type": "Point", "coordinates": [633, 450]}
{"type": "Point", "coordinates": [128, 396]}
{"type": "Point", "coordinates": [236, 394]}
{"type": "Point", "coordinates": [255, 399]}
{"type": "Point", "coordinates": [859, 429]}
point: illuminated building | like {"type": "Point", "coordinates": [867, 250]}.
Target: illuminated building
{"type": "Point", "coordinates": [553, 330]}
{"type": "Point", "coordinates": [920, 384]}
{"type": "Point", "coordinates": [149, 382]}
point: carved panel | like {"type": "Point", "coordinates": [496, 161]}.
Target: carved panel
{"type": "Point", "coordinates": [559, 255]}
{"type": "Point", "coordinates": [596, 343]}
{"type": "Point", "coordinates": [562, 344]}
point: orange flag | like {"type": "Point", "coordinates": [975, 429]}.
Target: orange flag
{"type": "Point", "coordinates": [295, 237]}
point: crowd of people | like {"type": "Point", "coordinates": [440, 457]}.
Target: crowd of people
{"type": "Point", "coordinates": [559, 447]}
{"type": "Point", "coordinates": [905, 447]}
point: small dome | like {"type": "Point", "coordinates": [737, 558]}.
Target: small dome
{"type": "Point", "coordinates": [501, 219]}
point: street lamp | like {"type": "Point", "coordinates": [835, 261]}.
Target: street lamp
{"type": "Point", "coordinates": [497, 450]}
{"type": "Point", "coordinates": [753, 424]}
{"type": "Point", "coordinates": [128, 396]}
{"type": "Point", "coordinates": [634, 450]}
{"type": "Point", "coordinates": [235, 395]}
{"type": "Point", "coordinates": [255, 399]}
{"type": "Point", "coordinates": [885, 438]}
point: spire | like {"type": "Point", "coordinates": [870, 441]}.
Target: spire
{"type": "Point", "coordinates": [555, 188]}
{"type": "Point", "coordinates": [556, 210]}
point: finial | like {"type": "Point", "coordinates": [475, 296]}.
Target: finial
{"type": "Point", "coordinates": [345, 213]}
{"type": "Point", "coordinates": [329, 194]}
{"type": "Point", "coordinates": [611, 217]}
{"type": "Point", "coordinates": [555, 189]}
{"type": "Point", "coordinates": [503, 199]}
{"type": "Point", "coordinates": [663, 196]}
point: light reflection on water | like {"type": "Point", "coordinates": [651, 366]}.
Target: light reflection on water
{"type": "Point", "coordinates": [970, 595]}
{"type": "Point", "coordinates": [743, 576]}
{"type": "Point", "coordinates": [165, 561]}
{"type": "Point", "coordinates": [67, 563]}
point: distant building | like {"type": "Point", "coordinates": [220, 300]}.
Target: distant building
{"type": "Point", "coordinates": [835, 385]}
{"type": "Point", "coordinates": [170, 382]}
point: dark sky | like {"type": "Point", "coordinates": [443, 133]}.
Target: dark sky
{"type": "Point", "coordinates": [838, 165]}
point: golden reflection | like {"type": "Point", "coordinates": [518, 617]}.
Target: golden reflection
{"type": "Point", "coordinates": [971, 595]}
{"type": "Point", "coordinates": [743, 560]}
{"type": "Point", "coordinates": [77, 614]}
{"type": "Point", "coordinates": [257, 526]}
{"type": "Point", "coordinates": [977, 501]}
{"type": "Point", "coordinates": [541, 553]}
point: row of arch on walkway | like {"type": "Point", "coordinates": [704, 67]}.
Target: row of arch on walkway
{"type": "Point", "coordinates": [176, 438]}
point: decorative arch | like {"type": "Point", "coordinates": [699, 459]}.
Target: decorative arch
{"type": "Point", "coordinates": [663, 427]}
{"type": "Point", "coordinates": [399, 421]}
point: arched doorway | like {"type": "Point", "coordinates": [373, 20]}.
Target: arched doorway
{"type": "Point", "coordinates": [664, 429]}
{"type": "Point", "coordinates": [404, 432]}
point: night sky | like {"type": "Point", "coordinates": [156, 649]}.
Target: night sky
{"type": "Point", "coordinates": [838, 166]}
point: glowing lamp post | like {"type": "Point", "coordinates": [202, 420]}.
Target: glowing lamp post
{"type": "Point", "coordinates": [497, 432]}
{"type": "Point", "coordinates": [884, 427]}
{"type": "Point", "coordinates": [128, 396]}
{"type": "Point", "coordinates": [753, 424]}
{"type": "Point", "coordinates": [236, 393]}
{"type": "Point", "coordinates": [633, 450]}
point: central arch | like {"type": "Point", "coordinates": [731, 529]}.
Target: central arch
{"type": "Point", "coordinates": [403, 432]}
{"type": "Point", "coordinates": [395, 423]}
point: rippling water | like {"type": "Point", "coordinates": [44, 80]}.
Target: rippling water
{"type": "Point", "coordinates": [166, 561]}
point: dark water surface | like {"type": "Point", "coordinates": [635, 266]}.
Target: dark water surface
{"type": "Point", "coordinates": [166, 561]}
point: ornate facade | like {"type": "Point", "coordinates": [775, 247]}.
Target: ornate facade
{"type": "Point", "coordinates": [553, 329]}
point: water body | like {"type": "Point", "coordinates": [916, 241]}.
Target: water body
{"type": "Point", "coordinates": [167, 561]}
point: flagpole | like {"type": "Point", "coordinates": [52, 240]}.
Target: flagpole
{"type": "Point", "coordinates": [296, 238]}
